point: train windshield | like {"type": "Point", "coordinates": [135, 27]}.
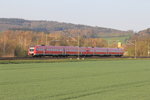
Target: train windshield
{"type": "Point", "coordinates": [31, 49]}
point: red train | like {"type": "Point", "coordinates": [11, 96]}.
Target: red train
{"type": "Point", "coordinates": [65, 51]}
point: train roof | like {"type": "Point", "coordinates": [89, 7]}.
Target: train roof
{"type": "Point", "coordinates": [71, 47]}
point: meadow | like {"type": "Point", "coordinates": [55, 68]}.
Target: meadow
{"type": "Point", "coordinates": [121, 39]}
{"type": "Point", "coordinates": [86, 80]}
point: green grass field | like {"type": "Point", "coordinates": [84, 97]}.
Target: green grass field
{"type": "Point", "coordinates": [86, 80]}
{"type": "Point", "coordinates": [121, 39]}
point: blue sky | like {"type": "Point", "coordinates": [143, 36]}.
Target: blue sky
{"type": "Point", "coordinates": [118, 14]}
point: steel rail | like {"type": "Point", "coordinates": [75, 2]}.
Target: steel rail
{"type": "Point", "coordinates": [46, 58]}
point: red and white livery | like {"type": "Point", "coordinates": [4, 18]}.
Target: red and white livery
{"type": "Point", "coordinates": [36, 51]}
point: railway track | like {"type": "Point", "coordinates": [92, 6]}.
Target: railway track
{"type": "Point", "coordinates": [46, 58]}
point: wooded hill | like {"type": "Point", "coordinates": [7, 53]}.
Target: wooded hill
{"type": "Point", "coordinates": [53, 26]}
{"type": "Point", "coordinates": [146, 31]}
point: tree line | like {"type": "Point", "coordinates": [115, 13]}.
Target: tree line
{"type": "Point", "coordinates": [16, 43]}
{"type": "Point", "coordinates": [138, 45]}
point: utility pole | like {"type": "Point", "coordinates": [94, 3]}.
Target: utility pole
{"type": "Point", "coordinates": [4, 46]}
{"type": "Point", "coordinates": [78, 48]}
{"type": "Point", "coordinates": [107, 43]}
{"type": "Point", "coordinates": [135, 49]}
{"type": "Point", "coordinates": [133, 42]}
{"type": "Point", "coordinates": [148, 49]}
{"type": "Point", "coordinates": [78, 44]}
{"type": "Point", "coordinates": [36, 41]}
{"type": "Point", "coordinates": [46, 39]}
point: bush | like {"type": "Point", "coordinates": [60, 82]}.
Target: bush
{"type": "Point", "coordinates": [19, 52]}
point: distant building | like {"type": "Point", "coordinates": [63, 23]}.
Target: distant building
{"type": "Point", "coordinates": [119, 45]}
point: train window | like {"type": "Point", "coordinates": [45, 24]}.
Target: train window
{"type": "Point", "coordinates": [83, 50]}
{"type": "Point", "coordinates": [37, 49]}
{"type": "Point", "coordinates": [91, 50]}
{"type": "Point", "coordinates": [40, 49]}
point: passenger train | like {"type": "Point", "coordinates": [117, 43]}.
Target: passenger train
{"type": "Point", "coordinates": [65, 51]}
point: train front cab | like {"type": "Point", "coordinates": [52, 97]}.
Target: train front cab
{"type": "Point", "coordinates": [31, 51]}
{"type": "Point", "coordinates": [36, 51]}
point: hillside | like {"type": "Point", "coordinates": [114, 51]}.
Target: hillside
{"type": "Point", "coordinates": [53, 26]}
{"type": "Point", "coordinates": [146, 31]}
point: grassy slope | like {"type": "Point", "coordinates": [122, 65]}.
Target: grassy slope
{"type": "Point", "coordinates": [91, 80]}
{"type": "Point", "coordinates": [121, 39]}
